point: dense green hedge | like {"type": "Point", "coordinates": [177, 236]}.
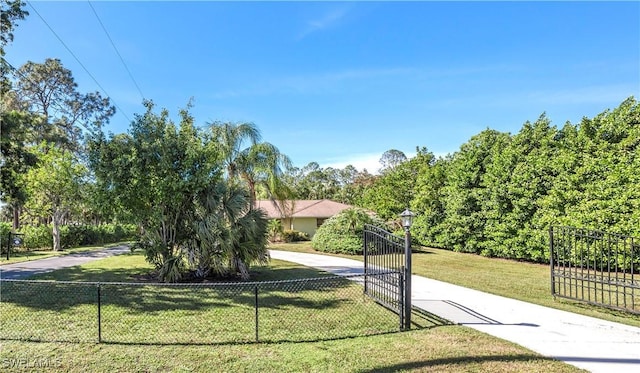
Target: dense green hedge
{"type": "Point", "coordinates": [40, 237]}
{"type": "Point", "coordinates": [500, 192]}
{"type": "Point", "coordinates": [343, 232]}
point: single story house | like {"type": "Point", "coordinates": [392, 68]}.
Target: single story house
{"type": "Point", "coordinates": [302, 215]}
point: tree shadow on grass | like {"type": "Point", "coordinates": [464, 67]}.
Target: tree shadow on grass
{"type": "Point", "coordinates": [460, 361]}
{"type": "Point", "coordinates": [318, 293]}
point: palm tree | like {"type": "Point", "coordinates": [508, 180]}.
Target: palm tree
{"type": "Point", "coordinates": [227, 235]}
{"type": "Point", "coordinates": [261, 163]}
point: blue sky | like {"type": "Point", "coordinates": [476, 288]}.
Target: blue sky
{"type": "Point", "coordinates": [340, 83]}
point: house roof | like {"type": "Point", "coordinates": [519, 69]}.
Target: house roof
{"type": "Point", "coordinates": [307, 208]}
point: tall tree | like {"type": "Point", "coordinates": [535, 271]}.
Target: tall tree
{"type": "Point", "coordinates": [393, 191]}
{"type": "Point", "coordinates": [390, 159]}
{"type": "Point", "coordinates": [11, 11]}
{"type": "Point", "coordinates": [465, 192]}
{"type": "Point", "coordinates": [49, 90]}
{"type": "Point", "coordinates": [54, 186]}
{"type": "Point", "coordinates": [152, 173]}
{"type": "Point", "coordinates": [169, 177]}
{"type": "Point", "coordinates": [16, 159]}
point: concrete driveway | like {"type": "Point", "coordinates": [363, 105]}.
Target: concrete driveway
{"type": "Point", "coordinates": [23, 270]}
{"type": "Point", "coordinates": [585, 342]}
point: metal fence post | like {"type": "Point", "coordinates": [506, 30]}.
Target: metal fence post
{"type": "Point", "coordinates": [364, 251]}
{"type": "Point", "coordinates": [407, 279]}
{"type": "Point", "coordinates": [402, 296]}
{"type": "Point", "coordinates": [9, 240]}
{"type": "Point", "coordinates": [551, 253]}
{"type": "Point", "coordinates": [255, 290]}
{"type": "Point", "coordinates": [99, 316]}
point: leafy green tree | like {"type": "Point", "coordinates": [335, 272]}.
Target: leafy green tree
{"type": "Point", "coordinates": [465, 192]}
{"type": "Point", "coordinates": [597, 187]}
{"type": "Point", "coordinates": [393, 191]}
{"type": "Point", "coordinates": [152, 174]}
{"type": "Point", "coordinates": [11, 11]}
{"type": "Point", "coordinates": [16, 159]}
{"type": "Point", "coordinates": [521, 174]}
{"type": "Point", "coordinates": [170, 178]}
{"type": "Point", "coordinates": [53, 187]}
{"type": "Point", "coordinates": [428, 201]}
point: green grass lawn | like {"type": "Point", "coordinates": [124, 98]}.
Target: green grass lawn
{"type": "Point", "coordinates": [519, 280]}
{"type": "Point", "coordinates": [190, 329]}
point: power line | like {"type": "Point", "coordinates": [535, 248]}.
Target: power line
{"type": "Point", "coordinates": [79, 62]}
{"type": "Point", "coordinates": [116, 49]}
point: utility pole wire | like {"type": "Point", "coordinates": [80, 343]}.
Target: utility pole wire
{"type": "Point", "coordinates": [79, 62]}
{"type": "Point", "coordinates": [116, 49]}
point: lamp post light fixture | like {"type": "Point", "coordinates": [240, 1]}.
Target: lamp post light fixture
{"type": "Point", "coordinates": [407, 220]}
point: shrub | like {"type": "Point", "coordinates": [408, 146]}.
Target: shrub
{"type": "Point", "coordinates": [343, 232]}
{"type": "Point", "coordinates": [274, 230]}
{"type": "Point", "coordinates": [294, 236]}
{"type": "Point", "coordinates": [5, 229]}
{"type": "Point", "coordinates": [38, 237]}
{"type": "Point", "coordinates": [75, 235]}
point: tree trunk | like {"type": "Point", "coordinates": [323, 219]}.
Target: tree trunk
{"type": "Point", "coordinates": [16, 217]}
{"type": "Point", "coordinates": [57, 217]}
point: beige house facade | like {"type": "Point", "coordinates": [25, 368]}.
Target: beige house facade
{"type": "Point", "coordinates": [302, 215]}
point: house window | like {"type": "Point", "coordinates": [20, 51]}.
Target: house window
{"type": "Point", "coordinates": [320, 221]}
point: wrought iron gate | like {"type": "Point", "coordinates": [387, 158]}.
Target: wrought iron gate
{"type": "Point", "coordinates": [595, 267]}
{"type": "Point", "coordinates": [387, 269]}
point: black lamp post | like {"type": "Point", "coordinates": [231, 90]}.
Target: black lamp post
{"type": "Point", "coordinates": [407, 220]}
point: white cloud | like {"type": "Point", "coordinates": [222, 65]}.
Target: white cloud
{"type": "Point", "coordinates": [326, 21]}
{"type": "Point", "coordinates": [368, 161]}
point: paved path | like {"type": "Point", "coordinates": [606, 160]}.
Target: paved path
{"type": "Point", "coordinates": [25, 269]}
{"type": "Point", "coordinates": [585, 342]}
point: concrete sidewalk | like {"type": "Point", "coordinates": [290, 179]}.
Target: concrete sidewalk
{"type": "Point", "coordinates": [582, 341]}
{"type": "Point", "coordinates": [25, 269]}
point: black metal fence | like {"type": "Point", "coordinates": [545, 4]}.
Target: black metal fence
{"type": "Point", "coordinates": [386, 273]}
{"type": "Point", "coordinates": [204, 313]}
{"type": "Point", "coordinates": [595, 267]}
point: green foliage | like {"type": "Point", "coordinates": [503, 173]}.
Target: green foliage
{"type": "Point", "coordinates": [53, 187]}
{"type": "Point", "coordinates": [343, 232]}
{"type": "Point", "coordinates": [498, 195]}
{"type": "Point", "coordinates": [5, 229]}
{"type": "Point", "coordinates": [168, 177]}
{"type": "Point", "coordinates": [37, 237]}
{"type": "Point", "coordinates": [274, 230]}
{"type": "Point", "coordinates": [49, 90]}
{"type": "Point", "coordinates": [289, 235]}
{"type": "Point", "coordinates": [83, 235]}
{"type": "Point", "coordinates": [17, 158]}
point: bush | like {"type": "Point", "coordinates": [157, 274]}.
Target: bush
{"type": "Point", "coordinates": [38, 237]}
{"type": "Point", "coordinates": [75, 235]}
{"type": "Point", "coordinates": [294, 236]}
{"type": "Point", "coordinates": [5, 229]}
{"type": "Point", "coordinates": [343, 233]}
{"type": "Point", "coordinates": [274, 230]}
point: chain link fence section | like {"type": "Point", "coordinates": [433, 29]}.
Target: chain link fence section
{"type": "Point", "coordinates": [195, 313]}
